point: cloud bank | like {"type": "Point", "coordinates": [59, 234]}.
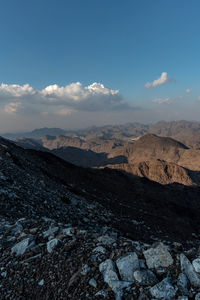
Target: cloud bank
{"type": "Point", "coordinates": [62, 100]}
{"type": "Point", "coordinates": [160, 81]}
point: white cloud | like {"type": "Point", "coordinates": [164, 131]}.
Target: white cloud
{"type": "Point", "coordinates": [160, 81]}
{"type": "Point", "coordinates": [188, 90]}
{"type": "Point", "coordinates": [162, 101]}
{"type": "Point", "coordinates": [72, 97]}
{"type": "Point", "coordinates": [16, 90]}
{"type": "Point", "coordinates": [95, 97]}
{"type": "Point", "coordinates": [76, 91]}
{"type": "Point", "coordinates": [12, 107]}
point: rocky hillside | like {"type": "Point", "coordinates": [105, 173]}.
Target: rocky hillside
{"type": "Point", "coordinates": [72, 233]}
{"type": "Point", "coordinates": [151, 146]}
{"type": "Point", "coordinates": [160, 171]}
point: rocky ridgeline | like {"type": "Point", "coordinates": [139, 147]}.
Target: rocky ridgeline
{"type": "Point", "coordinates": [44, 259]}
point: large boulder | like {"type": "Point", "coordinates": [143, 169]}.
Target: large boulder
{"type": "Point", "coordinates": [188, 269]}
{"type": "Point", "coordinates": [127, 265]}
{"type": "Point", "coordinates": [107, 268]}
{"type": "Point", "coordinates": [158, 256]}
{"type": "Point", "coordinates": [145, 277]}
{"type": "Point", "coordinates": [163, 290]}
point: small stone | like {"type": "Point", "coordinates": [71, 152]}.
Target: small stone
{"type": "Point", "coordinates": [163, 290]}
{"type": "Point", "coordinates": [41, 283]}
{"type": "Point", "coordinates": [99, 249]}
{"type": "Point", "coordinates": [50, 232]}
{"type": "Point", "coordinates": [93, 282]}
{"type": "Point", "coordinates": [106, 240]}
{"type": "Point", "coordinates": [16, 229]}
{"type": "Point", "coordinates": [196, 265]}
{"type": "Point", "coordinates": [145, 277]}
{"type": "Point", "coordinates": [182, 298]}
{"type": "Point", "coordinates": [21, 247]}
{"type": "Point", "coordinates": [4, 274]}
{"type": "Point", "coordinates": [53, 244]}
{"type": "Point", "coordinates": [158, 256]}
{"type": "Point", "coordinates": [67, 231]}
{"type": "Point", "coordinates": [127, 265]}
{"type": "Point", "coordinates": [85, 269]}
{"type": "Point", "coordinates": [101, 293]}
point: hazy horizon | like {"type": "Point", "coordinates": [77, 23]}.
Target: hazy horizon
{"type": "Point", "coordinates": [95, 126]}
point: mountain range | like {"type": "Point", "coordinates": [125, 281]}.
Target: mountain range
{"type": "Point", "coordinates": [131, 147]}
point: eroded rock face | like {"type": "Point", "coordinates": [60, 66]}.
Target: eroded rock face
{"type": "Point", "coordinates": [158, 256]}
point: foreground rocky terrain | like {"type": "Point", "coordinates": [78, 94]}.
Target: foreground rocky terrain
{"type": "Point", "coordinates": [72, 233]}
{"type": "Point", "coordinates": [43, 259]}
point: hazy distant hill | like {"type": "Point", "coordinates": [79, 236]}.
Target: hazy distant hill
{"type": "Point", "coordinates": [184, 131]}
{"type": "Point", "coordinates": [98, 145]}
{"type": "Point", "coordinates": [35, 134]}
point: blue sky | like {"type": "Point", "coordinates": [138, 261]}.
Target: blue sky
{"type": "Point", "coordinates": [120, 44]}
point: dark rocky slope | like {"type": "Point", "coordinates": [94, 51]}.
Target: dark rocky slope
{"type": "Point", "coordinates": [72, 233]}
